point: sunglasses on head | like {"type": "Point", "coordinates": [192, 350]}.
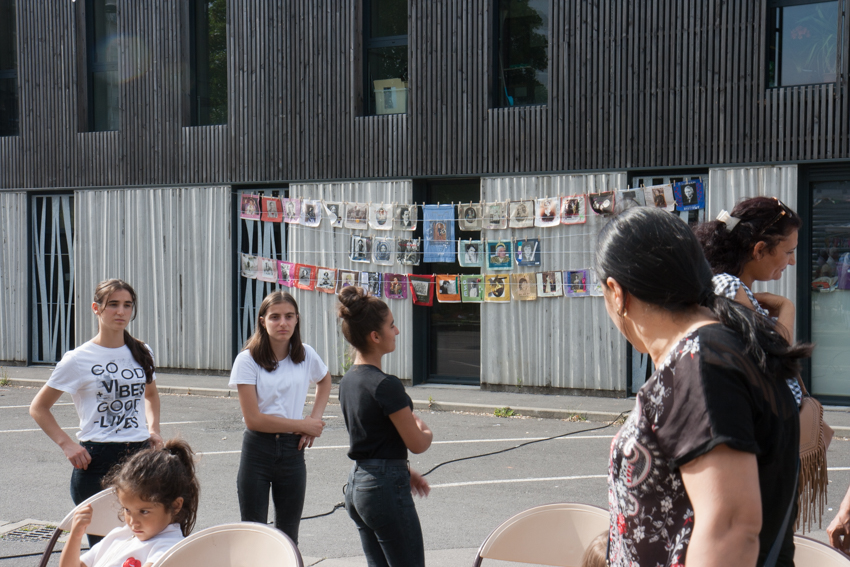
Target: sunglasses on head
{"type": "Point", "coordinates": [783, 211]}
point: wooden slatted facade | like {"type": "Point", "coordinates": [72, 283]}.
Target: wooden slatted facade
{"type": "Point", "coordinates": [632, 84]}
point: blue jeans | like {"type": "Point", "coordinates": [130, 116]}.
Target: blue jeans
{"type": "Point", "coordinates": [272, 461]}
{"type": "Point", "coordinates": [379, 501]}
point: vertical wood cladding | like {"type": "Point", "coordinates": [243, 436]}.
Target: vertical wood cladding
{"type": "Point", "coordinates": [632, 83]}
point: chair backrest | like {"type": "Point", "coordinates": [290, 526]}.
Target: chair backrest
{"type": "Point", "coordinates": [243, 544]}
{"type": "Point", "coordinates": [552, 534]}
{"type": "Point", "coordinates": [812, 553]}
{"type": "Point", "coordinates": [105, 513]}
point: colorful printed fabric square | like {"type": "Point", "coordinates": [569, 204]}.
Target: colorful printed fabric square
{"type": "Point", "coordinates": [326, 280]}
{"type": "Point", "coordinates": [334, 213]}
{"type": "Point", "coordinates": [311, 212]}
{"type": "Point", "coordinates": [249, 207]}
{"type": "Point", "coordinates": [497, 289]}
{"type": "Point", "coordinates": [405, 217]}
{"type": "Point", "coordinates": [371, 282]}
{"type": "Point", "coordinates": [286, 273]}
{"type": "Point", "coordinates": [381, 216]}
{"type": "Point", "coordinates": [447, 289]}
{"type": "Point", "coordinates": [382, 251]}
{"type": "Point", "coordinates": [306, 277]}
{"type": "Point", "coordinates": [528, 252]}
{"type": "Point", "coordinates": [576, 283]}
{"type": "Point", "coordinates": [361, 248]}
{"type": "Point", "coordinates": [521, 214]}
{"type": "Point", "coordinates": [471, 288]}
{"type": "Point", "coordinates": [602, 203]}
{"type": "Point", "coordinates": [408, 252]}
{"type": "Point", "coordinates": [548, 210]}
{"type": "Point", "coordinates": [469, 253]}
{"type": "Point", "coordinates": [355, 216]}
{"type": "Point", "coordinates": [549, 284]}
{"type": "Point", "coordinates": [524, 286]}
{"type": "Point", "coordinates": [249, 266]}
{"type": "Point", "coordinates": [292, 210]}
{"type": "Point", "coordinates": [395, 286]}
{"type": "Point", "coordinates": [689, 195]}
{"type": "Point", "coordinates": [439, 228]}
{"type": "Point", "coordinates": [347, 278]}
{"type": "Point", "coordinates": [495, 216]}
{"type": "Point", "coordinates": [499, 255]}
{"type": "Point", "coordinates": [573, 209]}
{"type": "Point", "coordinates": [660, 196]}
{"type": "Point", "coordinates": [272, 210]}
{"type": "Point", "coordinates": [422, 289]}
{"type": "Point", "coordinates": [268, 270]}
{"type": "Point", "coordinates": [469, 216]}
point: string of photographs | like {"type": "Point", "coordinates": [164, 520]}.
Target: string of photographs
{"type": "Point", "coordinates": [423, 288]}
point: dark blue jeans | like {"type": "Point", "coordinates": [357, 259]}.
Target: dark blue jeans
{"type": "Point", "coordinates": [379, 501]}
{"type": "Point", "coordinates": [272, 461]}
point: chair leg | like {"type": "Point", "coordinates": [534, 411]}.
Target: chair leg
{"type": "Point", "coordinates": [45, 558]}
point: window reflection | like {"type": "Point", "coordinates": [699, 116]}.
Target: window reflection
{"type": "Point", "coordinates": [802, 50]}
{"type": "Point", "coordinates": [523, 52]}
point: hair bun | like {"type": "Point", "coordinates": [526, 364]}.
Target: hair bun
{"type": "Point", "coordinates": [352, 301]}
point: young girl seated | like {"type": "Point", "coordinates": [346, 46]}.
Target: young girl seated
{"type": "Point", "coordinates": [158, 492]}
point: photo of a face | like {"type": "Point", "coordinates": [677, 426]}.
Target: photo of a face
{"type": "Point", "coordinates": [524, 286]}
{"type": "Point", "coordinates": [405, 217]}
{"type": "Point", "coordinates": [250, 207]}
{"type": "Point", "coordinates": [346, 279]}
{"type": "Point", "coordinates": [521, 214]}
{"type": "Point", "coordinates": [440, 231]}
{"type": "Point", "coordinates": [249, 266]}
{"type": "Point", "coordinates": [469, 253]}
{"type": "Point", "coordinates": [471, 287]}
{"type": "Point", "coordinates": [268, 270]}
{"type": "Point", "coordinates": [496, 288]}
{"type": "Point", "coordinates": [658, 198]}
{"type": "Point", "coordinates": [361, 248]}
{"type": "Point", "coordinates": [576, 283]}
{"type": "Point", "coordinates": [292, 210]}
{"type": "Point", "coordinates": [326, 280]}
{"type": "Point", "coordinates": [528, 252]}
{"type": "Point", "coordinates": [573, 209]}
{"type": "Point", "coordinates": [355, 215]}
{"type": "Point", "coordinates": [306, 277]}
{"type": "Point", "coordinates": [499, 254]}
{"type": "Point", "coordinates": [549, 284]}
{"type": "Point", "coordinates": [285, 272]}
{"type": "Point", "coordinates": [408, 252]}
{"type": "Point", "coordinates": [311, 213]}
{"type": "Point", "coordinates": [469, 217]}
{"type": "Point", "coordinates": [395, 286]}
{"type": "Point", "coordinates": [689, 195]}
{"type": "Point", "coordinates": [334, 211]}
{"type": "Point", "coordinates": [496, 218]}
{"type": "Point", "coordinates": [371, 282]}
{"type": "Point", "coordinates": [547, 212]}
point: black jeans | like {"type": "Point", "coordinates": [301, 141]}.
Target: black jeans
{"type": "Point", "coordinates": [379, 501]}
{"type": "Point", "coordinates": [272, 461]}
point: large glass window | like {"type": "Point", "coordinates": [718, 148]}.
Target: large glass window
{"type": "Point", "coordinates": [385, 69]}
{"type": "Point", "coordinates": [8, 70]}
{"type": "Point", "coordinates": [208, 62]}
{"type": "Point", "coordinates": [102, 59]}
{"type": "Point", "coordinates": [802, 42]}
{"type": "Point", "coordinates": [523, 52]}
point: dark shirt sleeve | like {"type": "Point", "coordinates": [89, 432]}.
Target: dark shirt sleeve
{"type": "Point", "coordinates": [391, 396]}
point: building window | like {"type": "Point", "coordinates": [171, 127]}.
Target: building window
{"type": "Point", "coordinates": [8, 70]}
{"type": "Point", "coordinates": [802, 42]}
{"type": "Point", "coordinates": [385, 42]}
{"type": "Point", "coordinates": [208, 62]}
{"type": "Point", "coordinates": [522, 52]}
{"type": "Point", "coordinates": [102, 60]}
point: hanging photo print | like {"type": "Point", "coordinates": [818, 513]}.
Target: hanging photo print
{"type": "Point", "coordinates": [381, 216]}
{"type": "Point", "coordinates": [528, 252]}
{"type": "Point", "coordinates": [311, 212]}
{"type": "Point", "coordinates": [447, 289]}
{"type": "Point", "coordinates": [292, 210]}
{"type": "Point", "coordinates": [689, 195]}
{"type": "Point", "coordinates": [469, 216]}
{"type": "Point", "coordinates": [496, 288]}
{"type": "Point", "coordinates": [521, 214]}
{"type": "Point", "coordinates": [355, 215]}
{"type": "Point", "coordinates": [286, 273]}
{"type": "Point", "coordinates": [250, 266]}
{"type": "Point", "coordinates": [249, 207]}
{"type": "Point", "coordinates": [405, 217]}
{"type": "Point", "coordinates": [334, 213]}
{"type": "Point", "coordinates": [361, 248]}
{"type": "Point", "coordinates": [422, 289]}
{"type": "Point", "coordinates": [495, 216]}
{"type": "Point", "coordinates": [347, 278]}
{"type": "Point", "coordinates": [636, 195]}
{"type": "Point", "coordinates": [395, 286]}
{"type": "Point", "coordinates": [408, 252]}
{"type": "Point", "coordinates": [371, 282]}
{"type": "Point", "coordinates": [576, 283]}
{"type": "Point", "coordinates": [548, 212]}
{"type": "Point", "coordinates": [660, 196]}
{"type": "Point", "coordinates": [382, 251]}
{"type": "Point", "coordinates": [306, 277]}
{"type": "Point", "coordinates": [268, 270]}
{"type": "Point", "coordinates": [573, 209]}
{"type": "Point", "coordinates": [272, 211]}
{"type": "Point", "coordinates": [326, 280]}
{"type": "Point", "coordinates": [439, 227]}
{"type": "Point", "coordinates": [471, 288]}
{"type": "Point", "coordinates": [499, 255]}
{"type": "Point", "coordinates": [525, 288]}
{"type": "Point", "coordinates": [595, 285]}
{"type": "Point", "coordinates": [469, 253]}
{"type": "Point", "coordinates": [549, 284]}
{"type": "Point", "coordinates": [602, 203]}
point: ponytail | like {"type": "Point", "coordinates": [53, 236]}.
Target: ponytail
{"type": "Point", "coordinates": [142, 355]}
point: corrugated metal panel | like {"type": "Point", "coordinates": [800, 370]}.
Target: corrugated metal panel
{"type": "Point", "coordinates": [13, 276]}
{"type": "Point", "coordinates": [728, 186]}
{"type": "Point", "coordinates": [328, 247]}
{"type": "Point", "coordinates": [173, 245]}
{"type": "Point", "coordinates": [557, 342]}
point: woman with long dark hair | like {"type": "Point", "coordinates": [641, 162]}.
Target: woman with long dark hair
{"type": "Point", "coordinates": [705, 467]}
{"type": "Point", "coordinates": [272, 375]}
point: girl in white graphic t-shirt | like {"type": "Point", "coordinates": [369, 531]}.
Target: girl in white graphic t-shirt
{"type": "Point", "coordinates": [112, 382]}
{"type": "Point", "coordinates": [158, 492]}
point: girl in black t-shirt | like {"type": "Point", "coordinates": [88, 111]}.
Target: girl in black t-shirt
{"type": "Point", "coordinates": [382, 428]}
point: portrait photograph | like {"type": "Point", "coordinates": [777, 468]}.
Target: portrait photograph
{"type": "Point", "coordinates": [471, 288]}
{"type": "Point", "coordinates": [292, 210]}
{"type": "Point", "coordinates": [573, 209]}
{"type": "Point", "coordinates": [524, 286]}
{"type": "Point", "coordinates": [334, 214]}
{"type": "Point", "coordinates": [326, 280]}
{"type": "Point", "coordinates": [272, 210]}
{"type": "Point", "coordinates": [422, 289]}
{"type": "Point", "coordinates": [249, 207]}
{"type": "Point", "coordinates": [361, 249]}
{"type": "Point", "coordinates": [689, 195]}
{"type": "Point", "coordinates": [549, 284]}
{"type": "Point", "coordinates": [249, 266]}
{"type": "Point", "coordinates": [602, 203]}
{"type": "Point", "coordinates": [347, 278]}
{"type": "Point", "coordinates": [660, 196]}
{"type": "Point", "coordinates": [575, 283]}
{"type": "Point", "coordinates": [371, 282]}
{"type": "Point", "coordinates": [499, 255]}
{"type": "Point", "coordinates": [495, 216]}
{"type": "Point", "coordinates": [286, 274]}
{"type": "Point", "coordinates": [268, 270]}
{"type": "Point", "coordinates": [311, 212]}
{"type": "Point", "coordinates": [306, 277]}
{"type": "Point", "coordinates": [547, 212]}
{"type": "Point", "coordinates": [383, 250]}
{"type": "Point", "coordinates": [527, 252]}
{"type": "Point", "coordinates": [497, 288]}
{"type": "Point", "coordinates": [381, 216]}
{"type": "Point", "coordinates": [521, 214]}
{"type": "Point", "coordinates": [469, 253]}
{"type": "Point", "coordinates": [405, 217]}
{"type": "Point", "coordinates": [355, 215]}
{"type": "Point", "coordinates": [408, 253]}
{"type": "Point", "coordinates": [395, 286]}
{"type": "Point", "coordinates": [438, 225]}
{"type": "Point", "coordinates": [447, 289]}
{"type": "Point", "coordinates": [469, 217]}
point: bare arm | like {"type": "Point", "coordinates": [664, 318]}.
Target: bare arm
{"type": "Point", "coordinates": [413, 430]}
{"type": "Point", "coordinates": [152, 413]}
{"type": "Point", "coordinates": [40, 412]}
{"type": "Point", "coordinates": [323, 392]}
{"type": "Point", "coordinates": [839, 529]}
{"type": "Point", "coordinates": [71, 552]}
{"type": "Point", "coordinates": [724, 490]}
{"type": "Point", "coordinates": [264, 423]}
{"type": "Point", "coordinates": [783, 309]}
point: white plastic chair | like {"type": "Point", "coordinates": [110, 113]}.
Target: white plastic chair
{"type": "Point", "coordinates": [105, 509]}
{"type": "Point", "coordinates": [552, 534]}
{"type": "Point", "coordinates": [243, 544]}
{"type": "Point", "coordinates": [811, 553]}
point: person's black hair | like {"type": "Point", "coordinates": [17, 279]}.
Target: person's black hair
{"type": "Point", "coordinates": [655, 257]}
{"type": "Point", "coordinates": [361, 314]}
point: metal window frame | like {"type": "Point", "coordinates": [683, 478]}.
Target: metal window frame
{"type": "Point", "coordinates": [92, 66]}
{"type": "Point", "coordinates": [370, 43]}
{"type": "Point", "coordinates": [496, 96]}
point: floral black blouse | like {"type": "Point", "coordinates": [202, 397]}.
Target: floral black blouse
{"type": "Point", "coordinates": [707, 393]}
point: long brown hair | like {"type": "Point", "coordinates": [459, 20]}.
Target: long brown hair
{"type": "Point", "coordinates": [137, 348]}
{"type": "Point", "coordinates": [259, 344]}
